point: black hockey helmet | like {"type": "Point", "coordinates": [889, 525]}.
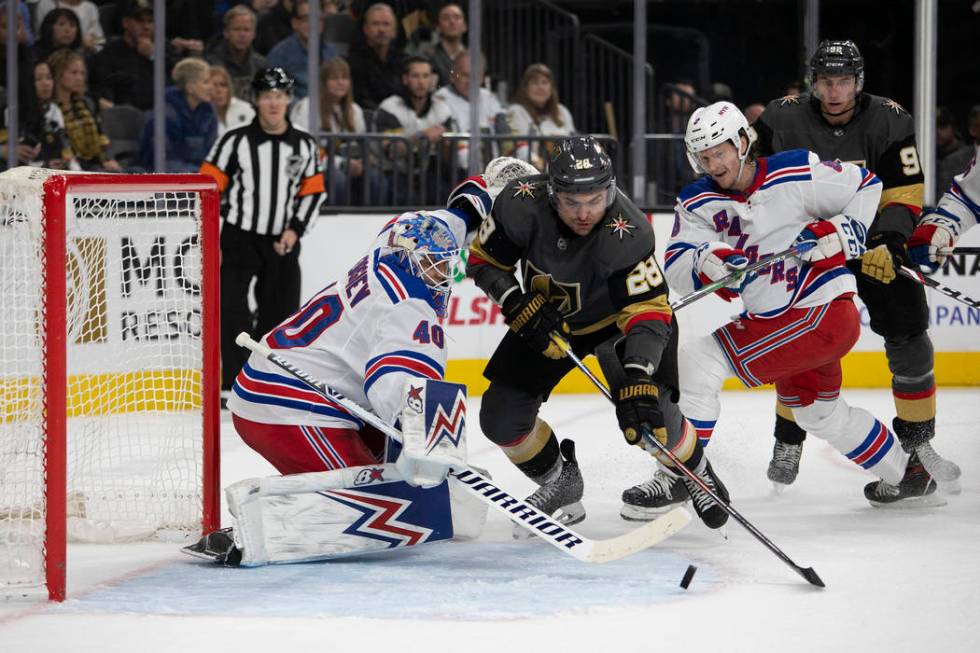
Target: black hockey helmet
{"type": "Point", "coordinates": [837, 58]}
{"type": "Point", "coordinates": [581, 165]}
{"type": "Point", "coordinates": [272, 79]}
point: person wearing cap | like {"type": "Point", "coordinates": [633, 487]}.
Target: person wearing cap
{"type": "Point", "coordinates": [122, 73]}
{"type": "Point", "coordinates": [268, 173]}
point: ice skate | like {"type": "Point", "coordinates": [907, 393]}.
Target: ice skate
{"type": "Point", "coordinates": [917, 488]}
{"type": "Point", "coordinates": [652, 498]}
{"type": "Point", "coordinates": [917, 437]}
{"type": "Point", "coordinates": [562, 497]}
{"type": "Point", "coordinates": [217, 547]}
{"type": "Point", "coordinates": [712, 514]}
{"type": "Point", "coordinates": [785, 465]}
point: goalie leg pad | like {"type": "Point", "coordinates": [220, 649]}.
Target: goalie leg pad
{"type": "Point", "coordinates": [309, 517]}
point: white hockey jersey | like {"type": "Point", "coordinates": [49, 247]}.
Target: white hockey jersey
{"type": "Point", "coordinates": [959, 207]}
{"type": "Point", "coordinates": [790, 189]}
{"type": "Point", "coordinates": [363, 335]}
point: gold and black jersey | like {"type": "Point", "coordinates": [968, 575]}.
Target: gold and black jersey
{"type": "Point", "coordinates": [608, 276]}
{"type": "Point", "coordinates": [880, 137]}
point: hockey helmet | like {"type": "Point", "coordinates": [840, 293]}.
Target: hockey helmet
{"type": "Point", "coordinates": [713, 125]}
{"type": "Point", "coordinates": [581, 165]}
{"type": "Point", "coordinates": [272, 79]}
{"type": "Point", "coordinates": [426, 248]}
{"type": "Point", "coordinates": [837, 58]}
{"type": "Point", "coordinates": [475, 195]}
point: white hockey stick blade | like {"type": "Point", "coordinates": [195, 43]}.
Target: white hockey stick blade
{"type": "Point", "coordinates": [638, 539]}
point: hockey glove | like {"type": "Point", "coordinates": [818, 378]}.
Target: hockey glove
{"type": "Point", "coordinates": [925, 243]}
{"type": "Point", "coordinates": [534, 319]}
{"type": "Point", "coordinates": [886, 252]}
{"type": "Point", "coordinates": [715, 261]}
{"type": "Point", "coordinates": [638, 406]}
{"type": "Point", "coordinates": [831, 242]}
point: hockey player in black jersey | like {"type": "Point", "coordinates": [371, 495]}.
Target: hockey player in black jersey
{"type": "Point", "coordinates": [588, 274]}
{"type": "Point", "coordinates": [837, 120]}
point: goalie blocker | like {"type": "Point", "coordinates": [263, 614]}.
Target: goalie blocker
{"type": "Point", "coordinates": [324, 515]}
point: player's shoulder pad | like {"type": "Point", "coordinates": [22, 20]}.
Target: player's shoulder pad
{"type": "Point", "coordinates": [699, 192]}
{"type": "Point", "coordinates": [891, 115]}
{"type": "Point", "coordinates": [625, 235]}
{"type": "Point", "coordinates": [786, 106]}
{"type": "Point", "coordinates": [789, 159]}
{"type": "Point", "coordinates": [521, 202]}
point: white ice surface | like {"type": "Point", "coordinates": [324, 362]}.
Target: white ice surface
{"type": "Point", "coordinates": [896, 580]}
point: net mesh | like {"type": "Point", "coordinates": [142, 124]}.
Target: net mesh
{"type": "Point", "coordinates": [134, 358]}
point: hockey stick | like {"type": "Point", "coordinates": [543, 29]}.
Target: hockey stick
{"type": "Point", "coordinates": [947, 251]}
{"type": "Point", "coordinates": [929, 282]}
{"type": "Point", "coordinates": [521, 512]}
{"type": "Point", "coordinates": [739, 274]}
{"type": "Point", "coordinates": [806, 572]}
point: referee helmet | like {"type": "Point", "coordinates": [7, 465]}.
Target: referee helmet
{"type": "Point", "coordinates": [272, 79]}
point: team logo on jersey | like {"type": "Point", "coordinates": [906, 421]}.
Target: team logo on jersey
{"type": "Point", "coordinates": [294, 166]}
{"type": "Point", "coordinates": [414, 399]}
{"type": "Point", "coordinates": [369, 475]}
{"type": "Point", "coordinates": [833, 165]}
{"type": "Point", "coordinates": [789, 99]}
{"type": "Point", "coordinates": [888, 103]}
{"type": "Point", "coordinates": [620, 226]}
{"type": "Point", "coordinates": [525, 190]}
{"type": "Point", "coordinates": [567, 297]}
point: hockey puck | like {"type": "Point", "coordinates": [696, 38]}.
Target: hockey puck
{"type": "Point", "coordinates": [688, 575]}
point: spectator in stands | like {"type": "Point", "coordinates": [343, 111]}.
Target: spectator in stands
{"type": "Point", "coordinates": [957, 160]}
{"type": "Point", "coordinates": [192, 125]}
{"type": "Point", "coordinates": [235, 52]}
{"type": "Point", "coordinates": [88, 16]}
{"type": "Point", "coordinates": [59, 29]}
{"type": "Point", "coordinates": [25, 31]}
{"type": "Point", "coordinates": [230, 111]}
{"type": "Point", "coordinates": [81, 114]}
{"type": "Point", "coordinates": [189, 25]}
{"type": "Point", "coordinates": [450, 32]}
{"type": "Point", "coordinates": [274, 25]}
{"type": "Point", "coordinates": [753, 111]}
{"type": "Point", "coordinates": [339, 114]}
{"type": "Point", "coordinates": [122, 73]}
{"type": "Point", "coordinates": [537, 111]}
{"type": "Point", "coordinates": [26, 152]}
{"type": "Point", "coordinates": [45, 125]}
{"type": "Point", "coordinates": [375, 64]}
{"type": "Point", "coordinates": [338, 26]}
{"type": "Point", "coordinates": [416, 113]}
{"type": "Point", "coordinates": [290, 54]}
{"type": "Point", "coordinates": [679, 104]}
{"type": "Point", "coordinates": [493, 117]}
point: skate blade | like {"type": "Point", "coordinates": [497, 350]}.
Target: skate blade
{"type": "Point", "coordinates": [570, 515]}
{"type": "Point", "coordinates": [197, 550]}
{"type": "Point", "coordinates": [778, 489]}
{"type": "Point", "coordinates": [641, 513]}
{"type": "Point", "coordinates": [934, 500]}
{"type": "Point", "coordinates": [950, 488]}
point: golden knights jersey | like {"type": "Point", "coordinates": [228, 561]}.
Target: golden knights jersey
{"type": "Point", "coordinates": [609, 276]}
{"type": "Point", "coordinates": [363, 335]}
{"type": "Point", "coordinates": [790, 189]}
{"type": "Point", "coordinates": [880, 137]}
{"type": "Point", "coordinates": [959, 207]}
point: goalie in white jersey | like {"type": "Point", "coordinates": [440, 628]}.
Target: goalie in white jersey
{"type": "Point", "coordinates": [799, 319]}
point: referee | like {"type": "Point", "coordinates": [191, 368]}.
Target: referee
{"type": "Point", "coordinates": [271, 186]}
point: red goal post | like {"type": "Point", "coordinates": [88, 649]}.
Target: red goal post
{"type": "Point", "coordinates": [109, 372]}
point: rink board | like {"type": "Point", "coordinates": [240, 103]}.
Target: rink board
{"type": "Point", "coordinates": [474, 325]}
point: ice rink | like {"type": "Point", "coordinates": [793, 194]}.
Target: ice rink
{"type": "Point", "coordinates": [897, 580]}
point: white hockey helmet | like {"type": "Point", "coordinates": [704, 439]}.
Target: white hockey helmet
{"type": "Point", "coordinates": [715, 124]}
{"type": "Point", "coordinates": [475, 195]}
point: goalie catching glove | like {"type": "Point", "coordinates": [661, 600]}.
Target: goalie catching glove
{"type": "Point", "coordinates": [533, 318]}
{"type": "Point", "coordinates": [715, 261]}
{"type": "Point", "coordinates": [831, 242]}
{"type": "Point", "coordinates": [638, 406]}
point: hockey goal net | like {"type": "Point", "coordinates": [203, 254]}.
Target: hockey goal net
{"type": "Point", "coordinates": [108, 365]}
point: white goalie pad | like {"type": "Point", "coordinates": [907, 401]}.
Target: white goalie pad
{"type": "Point", "coordinates": [324, 515]}
{"type": "Point", "coordinates": [433, 421]}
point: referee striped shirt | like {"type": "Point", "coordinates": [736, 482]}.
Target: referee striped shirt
{"type": "Point", "coordinates": [268, 182]}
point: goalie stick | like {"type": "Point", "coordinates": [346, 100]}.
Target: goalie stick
{"type": "Point", "coordinates": [807, 573]}
{"type": "Point", "coordinates": [521, 512]}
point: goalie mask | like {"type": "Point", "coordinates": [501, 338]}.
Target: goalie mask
{"type": "Point", "coordinates": [581, 165]}
{"type": "Point", "coordinates": [836, 58]}
{"type": "Point", "coordinates": [716, 124]}
{"type": "Point", "coordinates": [427, 249]}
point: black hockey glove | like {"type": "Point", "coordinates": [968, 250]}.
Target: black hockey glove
{"type": "Point", "coordinates": [638, 406]}
{"type": "Point", "coordinates": [886, 253]}
{"type": "Point", "coordinates": [534, 318]}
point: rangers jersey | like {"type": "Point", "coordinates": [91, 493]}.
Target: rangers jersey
{"type": "Point", "coordinates": [363, 335]}
{"type": "Point", "coordinates": [880, 137]}
{"type": "Point", "coordinates": [790, 189]}
{"type": "Point", "coordinates": [959, 207]}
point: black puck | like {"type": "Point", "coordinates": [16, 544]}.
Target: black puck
{"type": "Point", "coordinates": [688, 575]}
